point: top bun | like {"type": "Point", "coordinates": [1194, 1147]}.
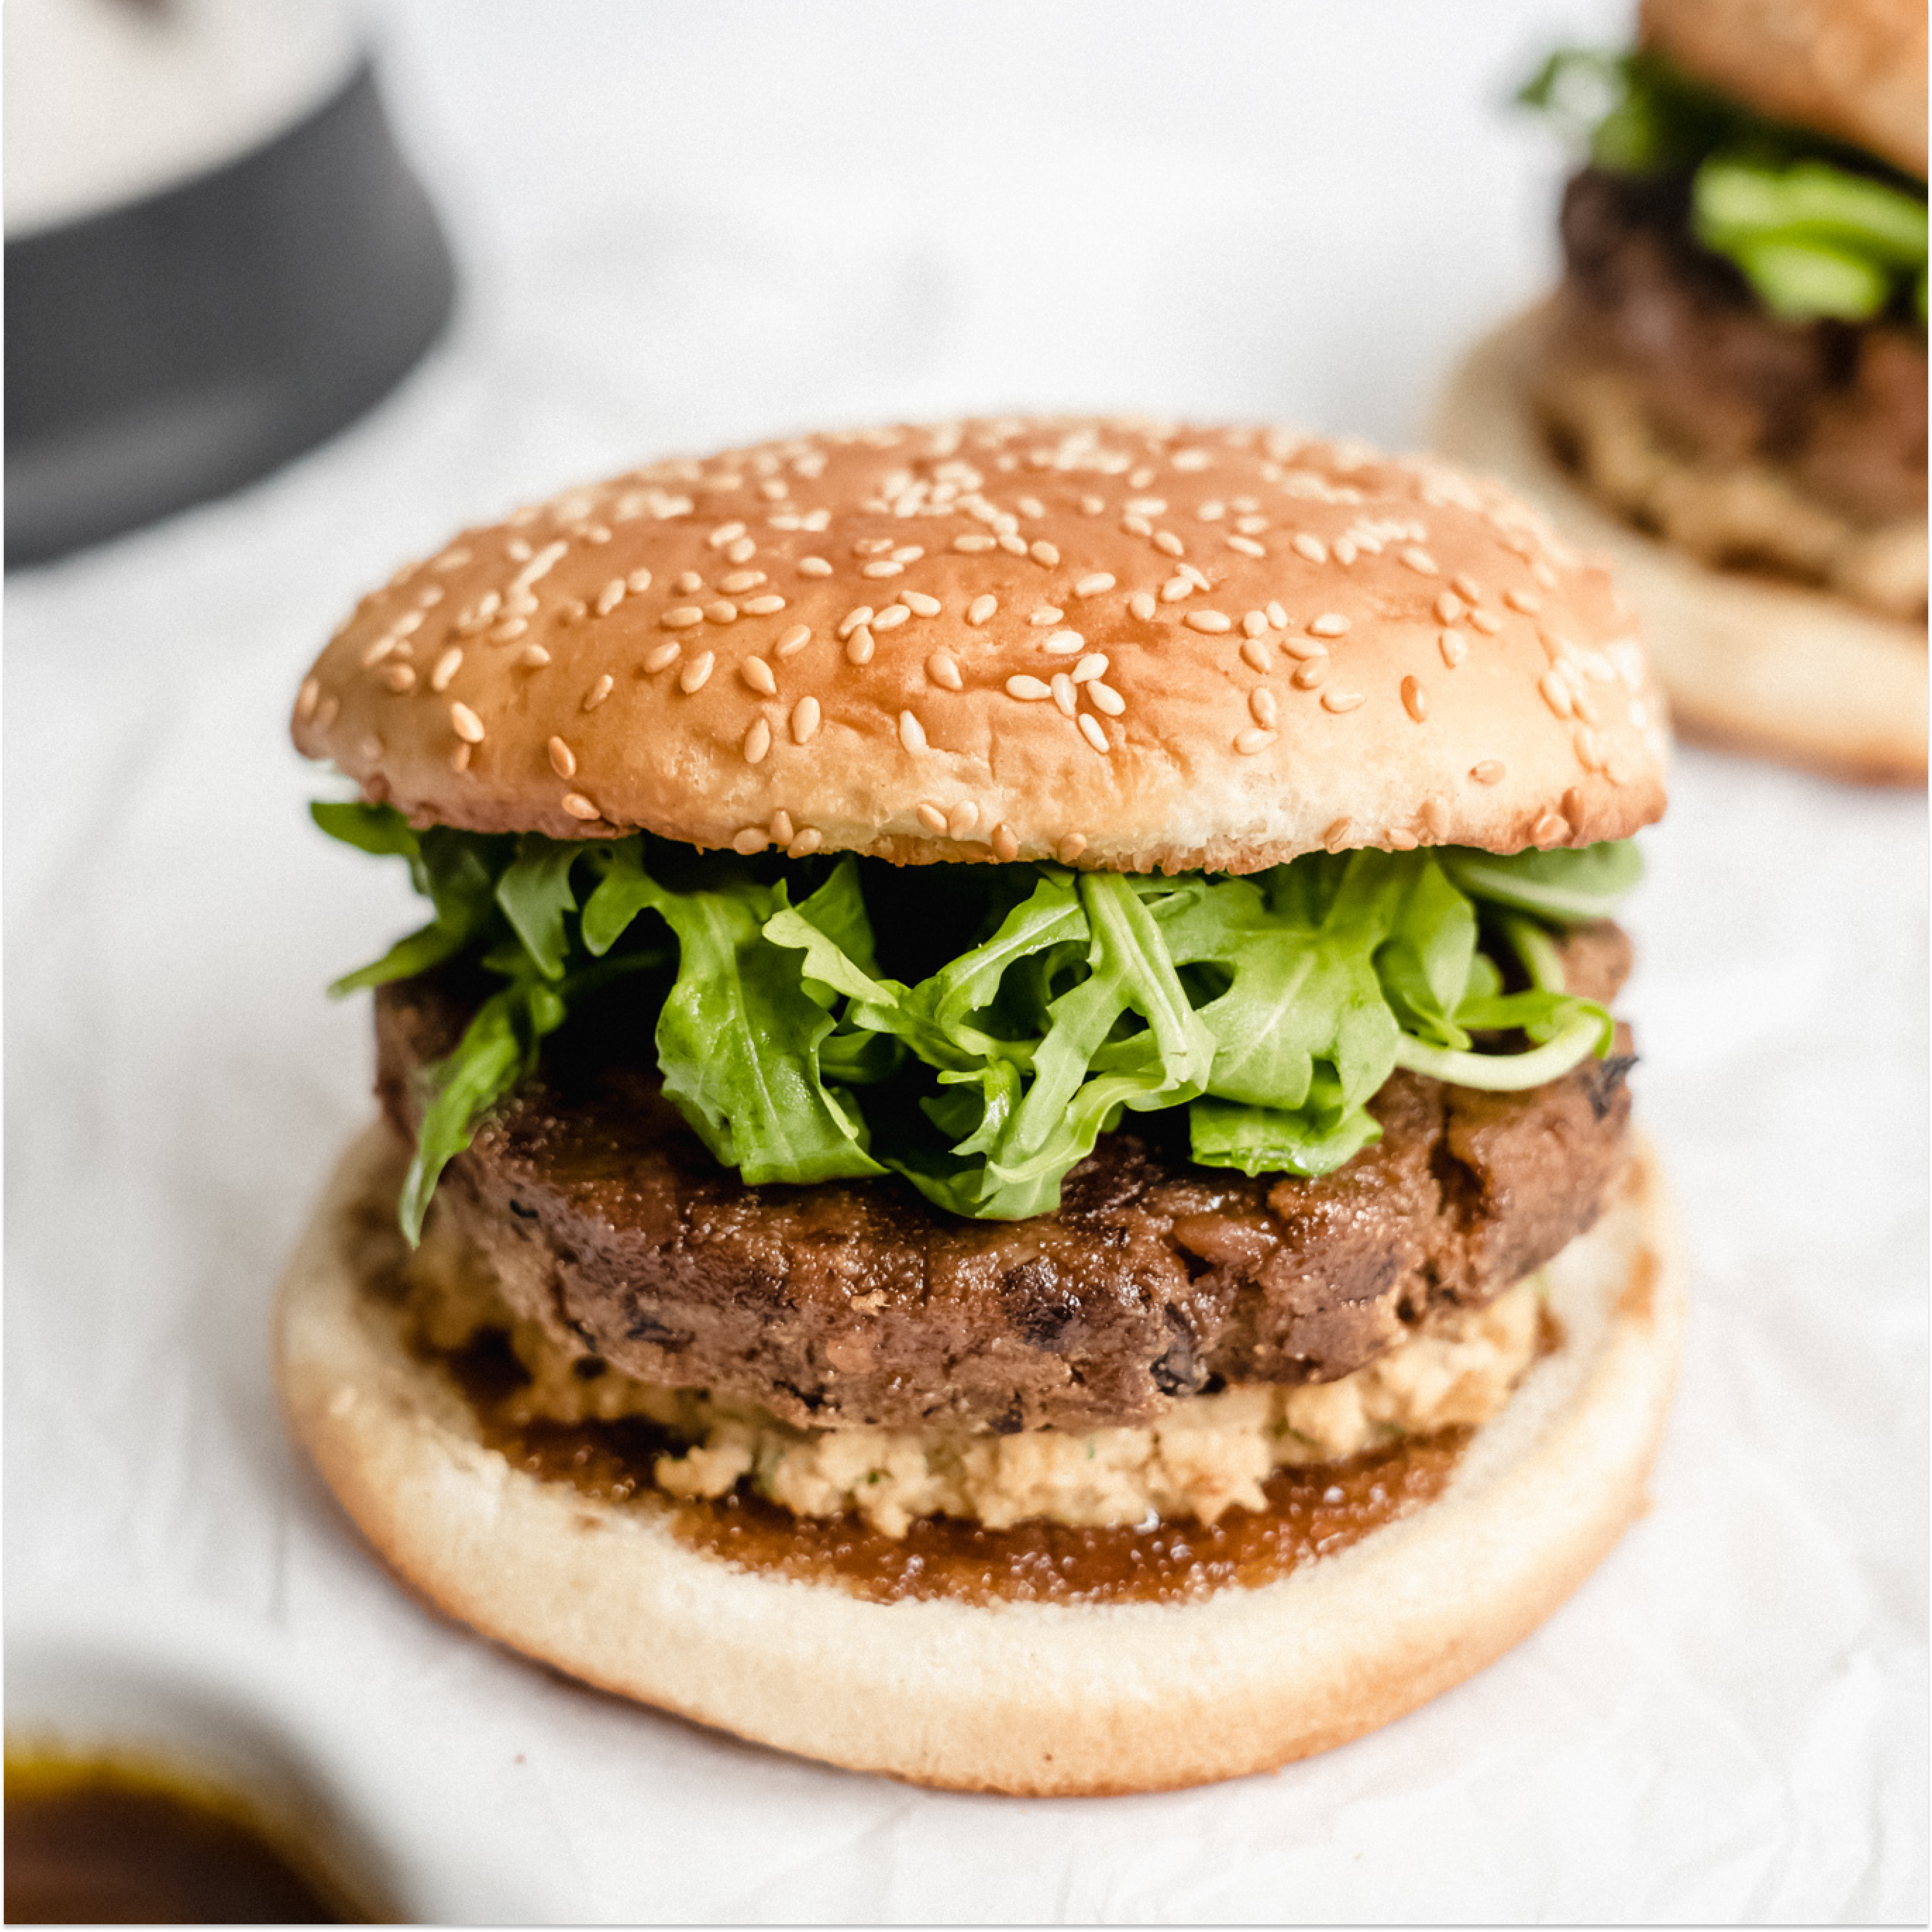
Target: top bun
{"type": "Point", "coordinates": [1120, 644]}
{"type": "Point", "coordinates": [1853, 69]}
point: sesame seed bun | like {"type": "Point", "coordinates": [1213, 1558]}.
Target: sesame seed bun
{"type": "Point", "coordinates": [1853, 69]}
{"type": "Point", "coordinates": [1118, 644]}
{"type": "Point", "coordinates": [1749, 662]}
{"type": "Point", "coordinates": [1047, 1699]}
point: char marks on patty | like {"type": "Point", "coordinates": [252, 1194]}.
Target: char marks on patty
{"type": "Point", "coordinates": [854, 1303]}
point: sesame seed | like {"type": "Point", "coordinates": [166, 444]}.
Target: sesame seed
{"type": "Point", "coordinates": [912, 733]}
{"type": "Point", "coordinates": [1527, 601]}
{"type": "Point", "coordinates": [860, 646]}
{"type": "Point", "coordinates": [767, 606]}
{"type": "Point", "coordinates": [1092, 506]}
{"type": "Point", "coordinates": [399, 677]}
{"type": "Point", "coordinates": [1137, 527]}
{"type": "Point", "coordinates": [1555, 692]}
{"type": "Point", "coordinates": [609, 597]}
{"type": "Point", "coordinates": [1029, 689]}
{"type": "Point", "coordinates": [1006, 845]}
{"type": "Point", "coordinates": [1448, 608]}
{"type": "Point", "coordinates": [1255, 624]}
{"type": "Point", "coordinates": [1488, 772]}
{"type": "Point", "coordinates": [1341, 700]}
{"type": "Point", "coordinates": [907, 553]}
{"type": "Point", "coordinates": [804, 719]}
{"type": "Point", "coordinates": [981, 608]}
{"type": "Point", "coordinates": [1452, 649]}
{"type": "Point", "coordinates": [794, 640]}
{"type": "Point", "coordinates": [1399, 839]}
{"type": "Point", "coordinates": [578, 806]}
{"type": "Point", "coordinates": [562, 759]}
{"type": "Point", "coordinates": [885, 567]}
{"type": "Point", "coordinates": [814, 566]}
{"type": "Point", "coordinates": [1047, 613]}
{"type": "Point", "coordinates": [600, 690]}
{"type": "Point", "coordinates": [1329, 624]}
{"type": "Point", "coordinates": [1141, 604]}
{"type": "Point", "coordinates": [1338, 835]}
{"type": "Point", "coordinates": [1277, 617]}
{"type": "Point", "coordinates": [743, 551]}
{"type": "Point", "coordinates": [306, 699]}
{"type": "Point", "coordinates": [681, 617]}
{"type": "Point", "coordinates": [465, 723]}
{"type": "Point", "coordinates": [689, 581]}
{"type": "Point", "coordinates": [1211, 621]}
{"type": "Point", "coordinates": [459, 757]}
{"type": "Point", "coordinates": [517, 550]}
{"type": "Point", "coordinates": [663, 657]}
{"type": "Point", "coordinates": [1044, 554]}
{"type": "Point", "coordinates": [509, 631]}
{"type": "Point", "coordinates": [807, 842]}
{"type": "Point", "coordinates": [1255, 739]}
{"type": "Point", "coordinates": [1589, 746]}
{"type": "Point", "coordinates": [1169, 544]}
{"type": "Point", "coordinates": [1091, 666]}
{"type": "Point", "coordinates": [852, 619]}
{"type": "Point", "coordinates": [757, 674]}
{"type": "Point", "coordinates": [1071, 847]}
{"type": "Point", "coordinates": [943, 668]}
{"type": "Point", "coordinates": [446, 668]}
{"type": "Point", "coordinates": [758, 741]}
{"type": "Point", "coordinates": [1091, 729]}
{"type": "Point", "coordinates": [1064, 643]}
{"type": "Point", "coordinates": [932, 818]}
{"type": "Point", "coordinates": [377, 652]}
{"type": "Point", "coordinates": [724, 611]}
{"type": "Point", "coordinates": [754, 838]}
{"type": "Point", "coordinates": [1255, 653]}
{"type": "Point", "coordinates": [1467, 588]}
{"type": "Point", "coordinates": [972, 542]}
{"type": "Point", "coordinates": [723, 534]}
{"type": "Point", "coordinates": [371, 748]}
{"type": "Point", "coordinates": [1485, 622]}
{"type": "Point", "coordinates": [1176, 588]}
{"type": "Point", "coordinates": [1105, 697]}
{"type": "Point", "coordinates": [1552, 828]}
{"type": "Point", "coordinates": [1211, 513]}
{"type": "Point", "coordinates": [1312, 674]}
{"type": "Point", "coordinates": [638, 582]}
{"type": "Point", "coordinates": [780, 827]}
{"type": "Point", "coordinates": [962, 819]}
{"type": "Point", "coordinates": [1305, 544]}
{"type": "Point", "coordinates": [1414, 700]}
{"type": "Point", "coordinates": [891, 617]}
{"type": "Point", "coordinates": [1573, 807]}
{"type": "Point", "coordinates": [920, 604]}
{"type": "Point", "coordinates": [1093, 583]}
{"type": "Point", "coordinates": [1247, 546]}
{"type": "Point", "coordinates": [1064, 694]}
{"type": "Point", "coordinates": [1261, 702]}
{"type": "Point", "coordinates": [327, 711]}
{"type": "Point", "coordinates": [1419, 561]}
{"type": "Point", "coordinates": [693, 675]}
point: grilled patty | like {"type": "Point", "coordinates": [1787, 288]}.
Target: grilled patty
{"type": "Point", "coordinates": [1840, 407]}
{"type": "Point", "coordinates": [858, 1302]}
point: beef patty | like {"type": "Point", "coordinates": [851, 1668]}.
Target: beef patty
{"type": "Point", "coordinates": [1840, 407]}
{"type": "Point", "coordinates": [851, 1303]}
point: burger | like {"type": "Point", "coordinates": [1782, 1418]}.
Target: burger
{"type": "Point", "coordinates": [1005, 1158]}
{"type": "Point", "coordinates": [1726, 394]}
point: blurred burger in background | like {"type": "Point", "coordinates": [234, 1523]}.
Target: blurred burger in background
{"type": "Point", "coordinates": [1727, 391]}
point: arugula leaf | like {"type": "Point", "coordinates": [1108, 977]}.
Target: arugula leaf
{"type": "Point", "coordinates": [1277, 1140]}
{"type": "Point", "coordinates": [1569, 885]}
{"type": "Point", "coordinates": [1818, 228]}
{"type": "Point", "coordinates": [534, 892]}
{"type": "Point", "coordinates": [455, 869]}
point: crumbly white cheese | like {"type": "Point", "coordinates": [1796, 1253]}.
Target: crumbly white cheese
{"type": "Point", "coordinates": [1208, 1454]}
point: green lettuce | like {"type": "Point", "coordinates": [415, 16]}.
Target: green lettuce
{"type": "Point", "coordinates": [1817, 228]}
{"type": "Point", "coordinates": [976, 1029]}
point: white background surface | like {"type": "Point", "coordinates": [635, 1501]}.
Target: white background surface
{"type": "Point", "coordinates": [686, 224]}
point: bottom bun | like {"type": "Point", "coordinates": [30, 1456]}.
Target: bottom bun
{"type": "Point", "coordinates": [1748, 661]}
{"type": "Point", "coordinates": [1011, 1696]}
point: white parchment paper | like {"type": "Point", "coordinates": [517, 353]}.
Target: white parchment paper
{"type": "Point", "coordinates": [685, 224]}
